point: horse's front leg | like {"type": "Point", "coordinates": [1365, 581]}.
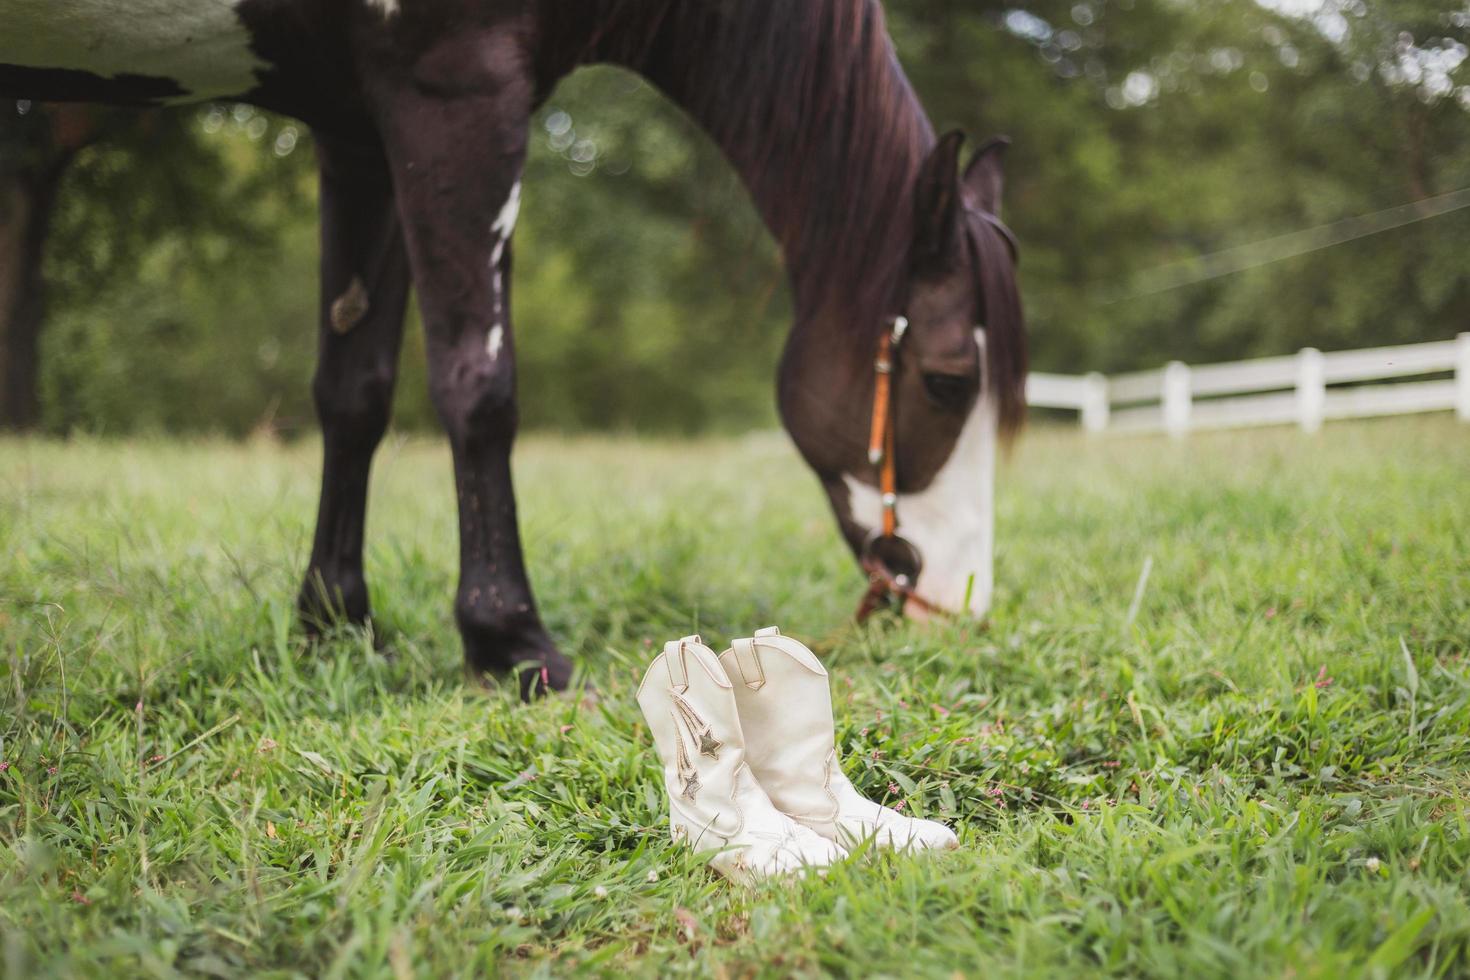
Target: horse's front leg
{"type": "Point", "coordinates": [365, 282]}
{"type": "Point", "coordinates": [457, 142]}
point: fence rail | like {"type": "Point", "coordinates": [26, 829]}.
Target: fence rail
{"type": "Point", "coordinates": [1267, 390]}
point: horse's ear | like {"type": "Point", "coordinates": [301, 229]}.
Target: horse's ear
{"type": "Point", "coordinates": [937, 198]}
{"type": "Point", "coordinates": [985, 178]}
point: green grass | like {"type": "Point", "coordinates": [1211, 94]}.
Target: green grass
{"type": "Point", "coordinates": [1263, 774]}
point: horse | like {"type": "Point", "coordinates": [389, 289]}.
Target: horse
{"type": "Point", "coordinates": [906, 359]}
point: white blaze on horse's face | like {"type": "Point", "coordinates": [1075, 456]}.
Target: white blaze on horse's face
{"type": "Point", "coordinates": [951, 521]}
{"type": "Point", "coordinates": [200, 44]}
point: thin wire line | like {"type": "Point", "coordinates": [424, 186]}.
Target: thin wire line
{"type": "Point", "coordinates": [1241, 258]}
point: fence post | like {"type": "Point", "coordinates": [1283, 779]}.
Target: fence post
{"type": "Point", "coordinates": [1176, 398]}
{"type": "Point", "coordinates": [1095, 407]}
{"type": "Point", "coordinates": [1462, 377]}
{"type": "Point", "coordinates": [1311, 389]}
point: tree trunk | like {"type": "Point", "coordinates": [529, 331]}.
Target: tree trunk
{"type": "Point", "coordinates": [23, 219]}
{"type": "Point", "coordinates": [35, 150]}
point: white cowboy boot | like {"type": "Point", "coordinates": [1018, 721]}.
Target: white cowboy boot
{"type": "Point", "coordinates": [786, 713]}
{"type": "Point", "coordinates": [715, 804]}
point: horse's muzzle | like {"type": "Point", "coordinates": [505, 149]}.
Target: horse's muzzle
{"type": "Point", "coordinates": [893, 565]}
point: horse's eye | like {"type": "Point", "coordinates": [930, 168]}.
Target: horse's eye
{"type": "Point", "coordinates": [949, 391]}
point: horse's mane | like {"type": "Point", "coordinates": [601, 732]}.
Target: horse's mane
{"type": "Point", "coordinates": [807, 99]}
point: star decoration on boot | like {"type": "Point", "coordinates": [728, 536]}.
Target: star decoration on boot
{"type": "Point", "coordinates": [691, 785]}
{"type": "Point", "coordinates": [702, 731]}
{"type": "Point", "coordinates": [709, 745]}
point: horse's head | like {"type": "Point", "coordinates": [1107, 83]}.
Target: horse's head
{"type": "Point", "coordinates": [957, 387]}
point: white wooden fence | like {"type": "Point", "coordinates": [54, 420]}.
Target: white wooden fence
{"type": "Point", "coordinates": [1266, 391]}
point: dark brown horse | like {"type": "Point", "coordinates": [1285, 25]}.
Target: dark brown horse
{"type": "Point", "coordinates": [420, 110]}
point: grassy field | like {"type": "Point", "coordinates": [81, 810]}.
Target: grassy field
{"type": "Point", "coordinates": [1263, 771]}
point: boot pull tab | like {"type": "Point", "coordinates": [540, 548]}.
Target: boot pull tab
{"type": "Point", "coordinates": [749, 662]}
{"type": "Point", "coordinates": [768, 631]}
{"type": "Point", "coordinates": [674, 661]}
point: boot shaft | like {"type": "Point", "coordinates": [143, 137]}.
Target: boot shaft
{"type": "Point", "coordinates": [691, 711]}
{"type": "Point", "coordinates": [785, 703]}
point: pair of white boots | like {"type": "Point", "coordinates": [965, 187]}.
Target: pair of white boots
{"type": "Point", "coordinates": [750, 760]}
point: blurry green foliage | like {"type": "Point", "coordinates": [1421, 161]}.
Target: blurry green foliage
{"type": "Point", "coordinates": [647, 295]}
{"type": "Point", "coordinates": [181, 271]}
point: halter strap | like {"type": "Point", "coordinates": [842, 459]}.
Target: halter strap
{"type": "Point", "coordinates": [880, 433]}
{"type": "Point", "coordinates": [882, 583]}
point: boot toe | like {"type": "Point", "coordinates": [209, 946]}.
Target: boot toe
{"type": "Point", "coordinates": [929, 835]}
{"type": "Point", "coordinates": [893, 831]}
{"type": "Point", "coordinates": [798, 851]}
{"type": "Point", "coordinates": [813, 848]}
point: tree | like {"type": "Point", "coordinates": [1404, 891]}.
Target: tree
{"type": "Point", "coordinates": [88, 196]}
{"type": "Point", "coordinates": [37, 146]}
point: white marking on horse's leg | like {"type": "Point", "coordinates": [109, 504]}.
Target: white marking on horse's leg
{"type": "Point", "coordinates": [503, 227]}
{"type": "Point", "coordinates": [510, 212]}
{"type": "Point", "coordinates": [349, 308]}
{"type": "Point", "coordinates": [951, 521]}
{"type": "Point", "coordinates": [497, 282]}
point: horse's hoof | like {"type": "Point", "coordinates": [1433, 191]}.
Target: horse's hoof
{"type": "Point", "coordinates": [538, 675]}
{"type": "Point", "coordinates": [323, 605]}
{"type": "Point", "coordinates": [551, 674]}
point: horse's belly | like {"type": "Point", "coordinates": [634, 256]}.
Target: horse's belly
{"type": "Point", "coordinates": [128, 50]}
